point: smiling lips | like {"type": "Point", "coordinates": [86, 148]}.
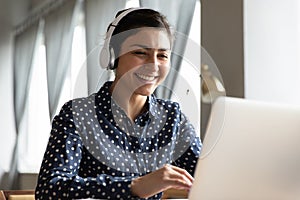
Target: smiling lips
{"type": "Point", "coordinates": [146, 77]}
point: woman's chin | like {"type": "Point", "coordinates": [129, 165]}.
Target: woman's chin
{"type": "Point", "coordinates": [145, 90]}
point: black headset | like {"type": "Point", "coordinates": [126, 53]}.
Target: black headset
{"type": "Point", "coordinates": [107, 55]}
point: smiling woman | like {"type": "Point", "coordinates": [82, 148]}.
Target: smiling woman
{"type": "Point", "coordinates": [122, 142]}
{"type": "Point", "coordinates": [143, 64]}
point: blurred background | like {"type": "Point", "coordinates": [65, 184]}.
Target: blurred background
{"type": "Point", "coordinates": [49, 49]}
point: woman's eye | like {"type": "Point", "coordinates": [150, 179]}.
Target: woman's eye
{"type": "Point", "coordinates": [164, 56]}
{"type": "Point", "coordinates": [139, 53]}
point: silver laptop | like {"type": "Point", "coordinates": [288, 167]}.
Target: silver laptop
{"type": "Point", "coordinates": [251, 151]}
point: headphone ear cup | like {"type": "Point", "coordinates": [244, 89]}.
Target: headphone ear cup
{"type": "Point", "coordinates": [104, 57]}
{"type": "Point", "coordinates": [111, 59]}
{"type": "Point", "coordinates": [107, 58]}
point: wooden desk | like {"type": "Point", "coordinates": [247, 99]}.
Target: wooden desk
{"type": "Point", "coordinates": [17, 195]}
{"type": "Point", "coordinates": [175, 194]}
{"type": "Point", "coordinates": [29, 194]}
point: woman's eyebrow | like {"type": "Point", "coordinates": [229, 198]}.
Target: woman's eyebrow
{"type": "Point", "coordinates": [148, 48]}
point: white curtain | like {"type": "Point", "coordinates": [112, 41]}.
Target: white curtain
{"type": "Point", "coordinates": [59, 29]}
{"type": "Point", "coordinates": [25, 44]}
{"type": "Point", "coordinates": [179, 14]}
{"type": "Point", "coordinates": [98, 15]}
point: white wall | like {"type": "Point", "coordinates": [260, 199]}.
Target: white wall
{"type": "Point", "coordinates": [272, 50]}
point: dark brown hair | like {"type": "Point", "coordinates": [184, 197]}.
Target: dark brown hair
{"type": "Point", "coordinates": [134, 20]}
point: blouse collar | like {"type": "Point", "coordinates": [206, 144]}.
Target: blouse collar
{"type": "Point", "coordinates": [104, 93]}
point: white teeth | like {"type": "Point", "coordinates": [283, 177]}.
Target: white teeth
{"type": "Point", "coordinates": [148, 78]}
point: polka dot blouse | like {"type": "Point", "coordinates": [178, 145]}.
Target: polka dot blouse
{"type": "Point", "coordinates": [95, 150]}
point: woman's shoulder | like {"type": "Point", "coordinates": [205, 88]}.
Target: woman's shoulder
{"type": "Point", "coordinates": [88, 101]}
{"type": "Point", "coordinates": [79, 104]}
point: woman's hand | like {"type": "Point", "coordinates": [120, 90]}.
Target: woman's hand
{"type": "Point", "coordinates": [160, 180]}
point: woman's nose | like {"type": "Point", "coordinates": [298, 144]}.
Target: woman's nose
{"type": "Point", "coordinates": [153, 63]}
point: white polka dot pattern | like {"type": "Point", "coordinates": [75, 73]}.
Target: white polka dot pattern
{"type": "Point", "coordinates": [94, 150]}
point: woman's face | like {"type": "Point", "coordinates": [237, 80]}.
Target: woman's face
{"type": "Point", "coordinates": [144, 61]}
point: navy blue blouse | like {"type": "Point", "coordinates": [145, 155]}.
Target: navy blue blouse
{"type": "Point", "coordinates": [95, 150]}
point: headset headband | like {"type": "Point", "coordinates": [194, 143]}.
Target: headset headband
{"type": "Point", "coordinates": [107, 56]}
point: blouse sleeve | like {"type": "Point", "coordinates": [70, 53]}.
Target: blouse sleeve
{"type": "Point", "coordinates": [59, 174]}
{"type": "Point", "coordinates": [191, 153]}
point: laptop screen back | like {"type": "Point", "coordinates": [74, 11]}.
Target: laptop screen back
{"type": "Point", "coordinates": [251, 151]}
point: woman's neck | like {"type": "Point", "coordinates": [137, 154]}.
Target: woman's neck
{"type": "Point", "coordinates": [133, 104]}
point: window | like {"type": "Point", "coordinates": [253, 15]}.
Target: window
{"type": "Point", "coordinates": [75, 84]}
{"type": "Point", "coordinates": [132, 3]}
{"type": "Point", "coordinates": [187, 88]}
{"type": "Point", "coordinates": [34, 140]}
